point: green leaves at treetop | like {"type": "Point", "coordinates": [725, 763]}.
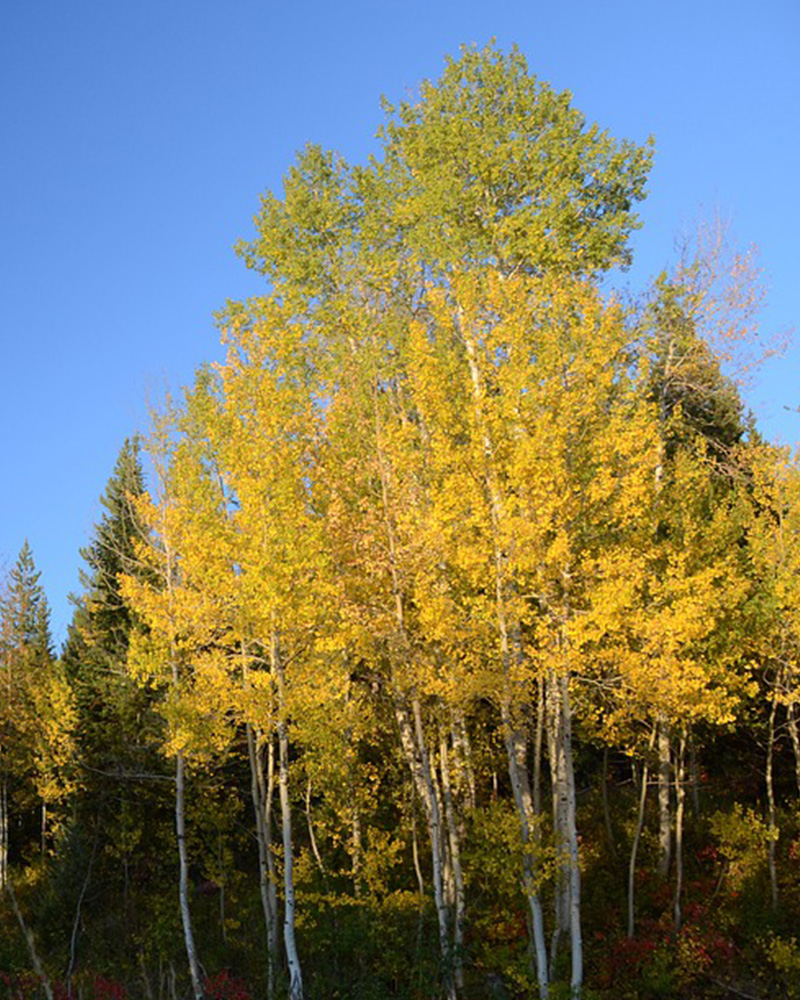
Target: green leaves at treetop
{"type": "Point", "coordinates": [487, 166]}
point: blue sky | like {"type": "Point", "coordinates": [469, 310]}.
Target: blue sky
{"type": "Point", "coordinates": [135, 139]}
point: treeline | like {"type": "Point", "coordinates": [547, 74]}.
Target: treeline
{"type": "Point", "coordinates": [450, 650]}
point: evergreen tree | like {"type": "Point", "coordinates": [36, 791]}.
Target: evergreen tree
{"type": "Point", "coordinates": [693, 396]}
{"type": "Point", "coordinates": [35, 711]}
{"type": "Point", "coordinates": [25, 615]}
{"type": "Point", "coordinates": [101, 627]}
{"type": "Point", "coordinates": [120, 804]}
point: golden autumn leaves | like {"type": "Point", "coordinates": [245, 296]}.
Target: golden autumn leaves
{"type": "Point", "coordinates": [460, 504]}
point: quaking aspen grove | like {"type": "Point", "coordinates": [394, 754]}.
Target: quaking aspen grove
{"type": "Point", "coordinates": [445, 642]}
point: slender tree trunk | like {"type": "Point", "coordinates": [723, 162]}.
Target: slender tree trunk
{"type": "Point", "coordinates": [292, 959]}
{"type": "Point", "coordinates": [792, 722]}
{"type": "Point", "coordinates": [576, 936]}
{"type": "Point", "coordinates": [516, 744]}
{"type": "Point", "coordinates": [448, 876]}
{"type": "Point", "coordinates": [415, 854]}
{"type": "Point", "coordinates": [183, 881]}
{"type": "Point", "coordinates": [455, 859]}
{"type": "Point", "coordinates": [772, 827]}
{"type": "Point", "coordinates": [357, 851]}
{"type": "Point", "coordinates": [412, 740]}
{"type": "Point", "coordinates": [30, 941]}
{"type": "Point", "coordinates": [438, 852]}
{"type": "Point", "coordinates": [637, 837]}
{"type": "Point", "coordinates": [148, 989]}
{"type": "Point", "coordinates": [694, 776]}
{"type": "Point", "coordinates": [664, 782]}
{"type": "Point", "coordinates": [463, 750]}
{"type": "Point", "coordinates": [680, 798]}
{"type": "Point", "coordinates": [516, 749]}
{"type": "Point", "coordinates": [180, 787]}
{"type": "Point", "coordinates": [537, 756]}
{"type": "Point", "coordinates": [311, 835]}
{"type": "Point", "coordinates": [412, 735]}
{"type": "Point", "coordinates": [76, 923]}
{"type": "Point", "coordinates": [418, 873]}
{"type": "Point", "coordinates": [555, 742]}
{"type": "Point", "coordinates": [262, 807]}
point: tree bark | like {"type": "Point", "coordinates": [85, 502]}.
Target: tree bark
{"type": "Point", "coordinates": [792, 723]}
{"type": "Point", "coordinates": [463, 749]}
{"type": "Point", "coordinates": [76, 923]}
{"type": "Point", "coordinates": [438, 852]}
{"type": "Point", "coordinates": [261, 792]}
{"type": "Point", "coordinates": [637, 837]}
{"type": "Point", "coordinates": [664, 782]}
{"type": "Point", "coordinates": [30, 941]}
{"type": "Point", "coordinates": [694, 775]}
{"type": "Point", "coordinates": [555, 743]}
{"type": "Point", "coordinates": [516, 750]}
{"type": "Point", "coordinates": [183, 879]}
{"type": "Point", "coordinates": [772, 827]}
{"type": "Point", "coordinates": [289, 943]}
{"type": "Point", "coordinates": [455, 861]}
{"type": "Point", "coordinates": [312, 838]}
{"type": "Point", "coordinates": [576, 936]}
{"type": "Point", "coordinates": [680, 798]}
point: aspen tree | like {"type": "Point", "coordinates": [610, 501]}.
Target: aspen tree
{"type": "Point", "coordinates": [183, 602]}
{"type": "Point", "coordinates": [671, 624]}
{"type": "Point", "coordinates": [268, 462]}
{"type": "Point", "coordinates": [472, 176]}
{"type": "Point", "coordinates": [697, 317]}
{"type": "Point", "coordinates": [375, 477]}
{"type": "Point", "coordinates": [774, 633]}
{"type": "Point", "coordinates": [544, 454]}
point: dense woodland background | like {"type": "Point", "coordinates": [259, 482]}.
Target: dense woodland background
{"type": "Point", "coordinates": [449, 645]}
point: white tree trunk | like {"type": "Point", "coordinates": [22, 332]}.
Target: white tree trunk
{"type": "Point", "coordinates": [771, 823]}
{"type": "Point", "coordinates": [463, 750]}
{"type": "Point", "coordinates": [30, 941]}
{"type": "Point", "coordinates": [262, 806]}
{"type": "Point", "coordinates": [183, 879]}
{"type": "Point", "coordinates": [555, 744]}
{"type": "Point", "coordinates": [575, 934]}
{"type": "Point", "coordinates": [312, 837]}
{"type": "Point", "coordinates": [680, 798]}
{"type": "Point", "coordinates": [455, 860]}
{"type": "Point", "coordinates": [516, 749]}
{"type": "Point", "coordinates": [292, 959]}
{"type": "Point", "coordinates": [438, 852]}
{"type": "Point", "coordinates": [412, 735]}
{"type": "Point", "coordinates": [664, 782]}
{"type": "Point", "coordinates": [637, 837]}
{"type": "Point", "coordinates": [792, 721]}
{"type": "Point", "coordinates": [357, 850]}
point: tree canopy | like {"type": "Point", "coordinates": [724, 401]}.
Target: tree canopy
{"type": "Point", "coordinates": [445, 574]}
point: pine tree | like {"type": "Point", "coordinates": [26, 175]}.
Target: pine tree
{"type": "Point", "coordinates": [36, 712]}
{"type": "Point", "coordinates": [103, 621]}
{"type": "Point", "coordinates": [122, 803]}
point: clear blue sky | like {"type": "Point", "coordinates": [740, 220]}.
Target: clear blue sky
{"type": "Point", "coordinates": [135, 139]}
